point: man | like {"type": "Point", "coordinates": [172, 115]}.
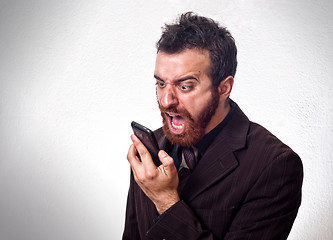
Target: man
{"type": "Point", "coordinates": [222, 176]}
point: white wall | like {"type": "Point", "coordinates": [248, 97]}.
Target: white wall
{"type": "Point", "coordinates": [74, 74]}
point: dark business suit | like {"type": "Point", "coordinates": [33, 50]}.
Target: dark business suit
{"type": "Point", "coordinates": [247, 185]}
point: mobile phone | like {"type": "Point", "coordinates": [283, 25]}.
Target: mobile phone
{"type": "Point", "coordinates": [148, 139]}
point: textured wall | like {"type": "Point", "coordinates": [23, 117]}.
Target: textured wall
{"type": "Point", "coordinates": [74, 74]}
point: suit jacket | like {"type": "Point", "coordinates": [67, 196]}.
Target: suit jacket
{"type": "Point", "coordinates": [247, 185]}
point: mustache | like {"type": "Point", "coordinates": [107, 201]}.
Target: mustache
{"type": "Point", "coordinates": [183, 113]}
{"type": "Point", "coordinates": [169, 109]}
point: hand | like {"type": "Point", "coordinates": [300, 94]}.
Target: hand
{"type": "Point", "coordinates": [158, 183]}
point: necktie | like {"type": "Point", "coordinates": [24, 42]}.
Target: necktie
{"type": "Point", "coordinates": [189, 157]}
{"type": "Point", "coordinates": [190, 161]}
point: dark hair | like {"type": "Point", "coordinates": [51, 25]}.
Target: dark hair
{"type": "Point", "coordinates": [193, 31]}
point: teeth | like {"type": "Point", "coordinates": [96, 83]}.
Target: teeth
{"type": "Point", "coordinates": [176, 126]}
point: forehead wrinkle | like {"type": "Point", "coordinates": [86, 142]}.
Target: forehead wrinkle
{"type": "Point", "coordinates": [173, 68]}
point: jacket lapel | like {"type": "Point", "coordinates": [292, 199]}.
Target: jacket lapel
{"type": "Point", "coordinates": [210, 172]}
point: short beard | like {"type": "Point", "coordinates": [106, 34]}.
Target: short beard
{"type": "Point", "coordinates": [195, 130]}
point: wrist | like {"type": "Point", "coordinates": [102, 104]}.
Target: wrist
{"type": "Point", "coordinates": [165, 205]}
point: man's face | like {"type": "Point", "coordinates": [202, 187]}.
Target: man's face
{"type": "Point", "coordinates": [185, 95]}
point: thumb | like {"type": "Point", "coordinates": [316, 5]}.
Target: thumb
{"type": "Point", "coordinates": [166, 161]}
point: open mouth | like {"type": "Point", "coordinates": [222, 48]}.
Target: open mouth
{"type": "Point", "coordinates": [176, 123]}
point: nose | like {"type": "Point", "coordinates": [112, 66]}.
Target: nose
{"type": "Point", "coordinates": [168, 97]}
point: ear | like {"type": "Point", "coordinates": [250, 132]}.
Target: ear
{"type": "Point", "coordinates": [225, 87]}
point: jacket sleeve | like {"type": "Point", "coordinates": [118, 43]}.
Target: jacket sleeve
{"type": "Point", "coordinates": [267, 212]}
{"type": "Point", "coordinates": [131, 231]}
{"type": "Point", "coordinates": [179, 222]}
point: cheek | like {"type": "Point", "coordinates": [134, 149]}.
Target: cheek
{"type": "Point", "coordinates": [196, 104]}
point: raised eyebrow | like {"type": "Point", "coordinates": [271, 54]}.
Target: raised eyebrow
{"type": "Point", "coordinates": [178, 80]}
{"type": "Point", "coordinates": [186, 78]}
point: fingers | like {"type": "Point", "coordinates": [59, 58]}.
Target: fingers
{"type": "Point", "coordinates": [146, 169]}
{"type": "Point", "coordinates": [133, 160]}
{"type": "Point", "coordinates": [143, 153]}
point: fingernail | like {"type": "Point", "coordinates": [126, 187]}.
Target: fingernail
{"type": "Point", "coordinates": [163, 154]}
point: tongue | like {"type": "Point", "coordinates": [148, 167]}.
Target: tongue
{"type": "Point", "coordinates": [178, 120]}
